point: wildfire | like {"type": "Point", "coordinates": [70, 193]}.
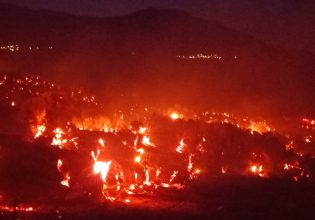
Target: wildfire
{"type": "Point", "coordinates": [260, 127]}
{"type": "Point", "coordinates": [133, 165]}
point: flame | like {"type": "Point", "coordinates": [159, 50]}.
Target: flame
{"type": "Point", "coordinates": [146, 141]}
{"type": "Point", "coordinates": [102, 168]}
{"type": "Point", "coordinates": [57, 140]}
{"type": "Point", "coordinates": [260, 127]}
{"type": "Point", "coordinates": [39, 131]}
{"type": "Point", "coordinates": [142, 130]}
{"type": "Point", "coordinates": [257, 170]}
{"type": "Point", "coordinates": [147, 178]}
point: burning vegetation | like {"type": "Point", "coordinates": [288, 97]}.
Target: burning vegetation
{"type": "Point", "coordinates": [71, 144]}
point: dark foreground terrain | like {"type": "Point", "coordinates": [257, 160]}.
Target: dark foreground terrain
{"type": "Point", "coordinates": [225, 198]}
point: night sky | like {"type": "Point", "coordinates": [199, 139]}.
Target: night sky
{"type": "Point", "coordinates": [290, 23]}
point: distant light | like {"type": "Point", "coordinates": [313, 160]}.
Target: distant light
{"type": "Point", "coordinates": [12, 103]}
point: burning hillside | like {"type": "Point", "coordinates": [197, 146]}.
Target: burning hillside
{"type": "Point", "coordinates": [62, 142]}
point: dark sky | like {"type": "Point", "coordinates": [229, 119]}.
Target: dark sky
{"type": "Point", "coordinates": [290, 23]}
{"type": "Point", "coordinates": [199, 7]}
{"type": "Point", "coordinates": [104, 7]}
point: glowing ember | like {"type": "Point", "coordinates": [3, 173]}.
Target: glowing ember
{"type": "Point", "coordinates": [180, 147]}
{"type": "Point", "coordinates": [308, 139]}
{"type": "Point", "coordinates": [173, 176]}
